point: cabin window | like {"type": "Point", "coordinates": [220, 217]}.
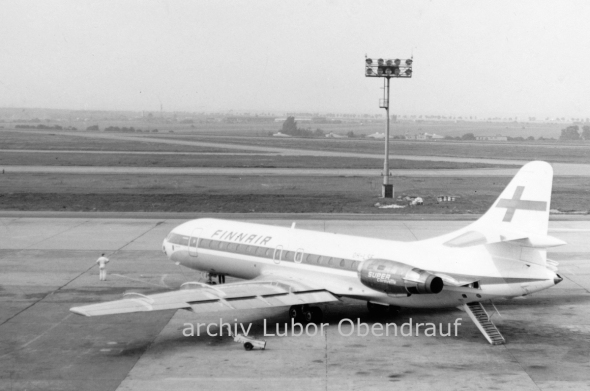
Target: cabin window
{"type": "Point", "coordinates": [269, 252]}
{"type": "Point", "coordinates": [331, 261]}
{"type": "Point", "coordinates": [232, 247]}
{"type": "Point", "coordinates": [314, 258]}
{"type": "Point", "coordinates": [242, 248]}
{"type": "Point", "coordinates": [289, 255]}
{"type": "Point", "coordinates": [204, 243]}
{"type": "Point", "coordinates": [222, 245]}
{"type": "Point", "coordinates": [260, 251]}
{"type": "Point", "coordinates": [354, 265]}
{"type": "Point", "coordinates": [251, 249]}
{"type": "Point", "coordinates": [342, 263]}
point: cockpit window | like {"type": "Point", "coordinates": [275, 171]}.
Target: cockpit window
{"type": "Point", "coordinates": [178, 239]}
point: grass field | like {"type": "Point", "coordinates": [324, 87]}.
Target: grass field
{"type": "Point", "coordinates": [259, 194]}
{"type": "Point", "coordinates": [512, 129]}
{"type": "Point", "coordinates": [551, 152]}
{"type": "Point", "coordinates": [55, 141]}
{"type": "Point", "coordinates": [250, 161]}
{"type": "Point", "coordinates": [263, 194]}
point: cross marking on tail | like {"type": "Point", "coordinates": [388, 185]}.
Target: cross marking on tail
{"type": "Point", "coordinates": [515, 203]}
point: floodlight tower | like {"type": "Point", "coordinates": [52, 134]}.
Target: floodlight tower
{"type": "Point", "coordinates": [387, 69]}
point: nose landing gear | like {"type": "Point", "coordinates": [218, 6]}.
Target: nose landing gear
{"type": "Point", "coordinates": [210, 277]}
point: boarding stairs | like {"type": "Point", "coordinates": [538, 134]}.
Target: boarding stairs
{"type": "Point", "coordinates": [481, 319]}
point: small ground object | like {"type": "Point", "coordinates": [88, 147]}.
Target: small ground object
{"type": "Point", "coordinates": [250, 342]}
{"type": "Point", "coordinates": [445, 198]}
{"type": "Point", "coordinates": [417, 201]}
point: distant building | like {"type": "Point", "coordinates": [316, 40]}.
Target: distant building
{"type": "Point", "coordinates": [283, 119]}
{"type": "Point", "coordinates": [279, 134]}
{"type": "Point", "coordinates": [376, 135]}
{"type": "Point", "coordinates": [492, 138]}
{"type": "Point", "coordinates": [247, 119]}
{"type": "Point", "coordinates": [334, 135]}
{"type": "Point", "coordinates": [429, 136]}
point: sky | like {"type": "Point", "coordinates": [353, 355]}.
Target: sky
{"type": "Point", "coordinates": [483, 58]}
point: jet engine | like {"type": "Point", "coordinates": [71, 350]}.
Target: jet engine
{"type": "Point", "coordinates": [398, 278]}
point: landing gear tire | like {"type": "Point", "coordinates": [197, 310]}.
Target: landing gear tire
{"type": "Point", "coordinates": [395, 310]}
{"type": "Point", "coordinates": [210, 278]}
{"type": "Point", "coordinates": [377, 308]}
{"type": "Point", "coordinates": [248, 346]}
{"type": "Point", "coordinates": [296, 313]}
{"type": "Point", "coordinates": [313, 315]}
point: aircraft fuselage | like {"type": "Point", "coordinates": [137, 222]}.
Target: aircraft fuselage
{"type": "Point", "coordinates": [247, 251]}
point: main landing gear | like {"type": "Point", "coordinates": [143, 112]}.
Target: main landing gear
{"type": "Point", "coordinates": [380, 309]}
{"type": "Point", "coordinates": [305, 314]}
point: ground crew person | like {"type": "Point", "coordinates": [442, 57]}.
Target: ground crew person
{"type": "Point", "coordinates": [102, 265]}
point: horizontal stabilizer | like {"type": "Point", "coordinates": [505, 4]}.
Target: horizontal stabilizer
{"type": "Point", "coordinates": [490, 236]}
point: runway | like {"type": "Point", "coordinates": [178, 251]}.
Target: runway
{"type": "Point", "coordinates": [560, 169]}
{"type": "Point", "coordinates": [48, 266]}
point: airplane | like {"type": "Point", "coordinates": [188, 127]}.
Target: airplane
{"type": "Point", "coordinates": [501, 255]}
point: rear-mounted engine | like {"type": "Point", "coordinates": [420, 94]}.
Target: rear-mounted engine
{"type": "Point", "coordinates": [395, 278]}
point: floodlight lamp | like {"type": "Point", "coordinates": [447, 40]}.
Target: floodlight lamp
{"type": "Point", "coordinates": [388, 71]}
{"type": "Point", "coordinates": [409, 72]}
{"type": "Point", "coordinates": [396, 71]}
{"type": "Point", "coordinates": [380, 61]}
{"type": "Point", "coordinates": [369, 61]}
{"type": "Point", "coordinates": [369, 71]}
{"type": "Point", "coordinates": [397, 61]}
{"type": "Point", "coordinates": [388, 62]}
{"type": "Point", "coordinates": [409, 63]}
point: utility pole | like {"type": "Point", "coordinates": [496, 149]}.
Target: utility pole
{"type": "Point", "coordinates": [387, 69]}
{"type": "Point", "coordinates": [387, 187]}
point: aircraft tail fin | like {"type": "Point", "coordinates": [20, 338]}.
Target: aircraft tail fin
{"type": "Point", "coordinates": [524, 204]}
{"type": "Point", "coordinates": [520, 215]}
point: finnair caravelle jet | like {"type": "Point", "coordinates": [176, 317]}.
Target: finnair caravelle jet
{"type": "Point", "coordinates": [501, 255]}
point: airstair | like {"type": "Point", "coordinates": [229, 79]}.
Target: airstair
{"type": "Point", "coordinates": [481, 319]}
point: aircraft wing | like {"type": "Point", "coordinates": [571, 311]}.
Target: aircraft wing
{"type": "Point", "coordinates": [202, 298]}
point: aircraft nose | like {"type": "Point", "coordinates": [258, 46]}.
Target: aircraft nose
{"type": "Point", "coordinates": [557, 279]}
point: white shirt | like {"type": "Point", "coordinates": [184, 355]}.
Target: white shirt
{"type": "Point", "coordinates": [102, 262]}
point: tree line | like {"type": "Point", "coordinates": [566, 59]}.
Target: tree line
{"type": "Point", "coordinates": [572, 133]}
